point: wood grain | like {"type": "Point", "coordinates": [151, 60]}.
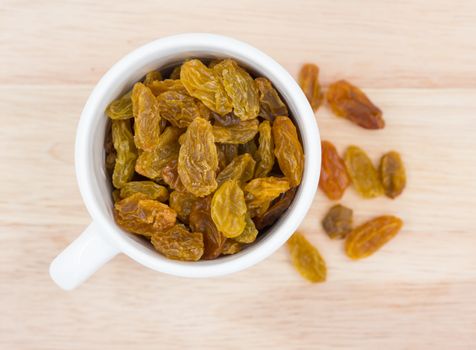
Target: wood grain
{"type": "Point", "coordinates": [416, 61]}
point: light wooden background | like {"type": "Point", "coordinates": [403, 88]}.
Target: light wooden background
{"type": "Point", "coordinates": [416, 60]}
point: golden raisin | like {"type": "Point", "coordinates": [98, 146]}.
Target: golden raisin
{"type": "Point", "coordinates": [240, 87]}
{"type": "Point", "coordinates": [178, 243]}
{"type": "Point", "coordinates": [228, 209]}
{"type": "Point", "coordinates": [249, 233]}
{"type": "Point", "coordinates": [149, 188]}
{"type": "Point", "coordinates": [371, 236]}
{"type": "Point", "coordinates": [241, 169]}
{"type": "Point", "coordinates": [141, 215]}
{"type": "Point", "coordinates": [333, 180]}
{"type": "Point", "coordinates": [146, 117]}
{"type": "Point", "coordinates": [182, 203]}
{"type": "Point", "coordinates": [288, 150]}
{"type": "Point", "coordinates": [120, 108]}
{"type": "Point", "coordinates": [152, 163]}
{"type": "Point", "coordinates": [306, 259]}
{"type": "Point", "coordinates": [198, 159]}
{"type": "Point", "coordinates": [262, 191]}
{"type": "Point", "coordinates": [204, 84]}
{"type": "Point", "coordinates": [362, 173]}
{"type": "Point", "coordinates": [309, 82]}
{"type": "Point", "coordinates": [179, 109]}
{"type": "Point", "coordinates": [126, 152]}
{"type": "Point", "coordinates": [265, 152]}
{"type": "Point", "coordinates": [236, 134]}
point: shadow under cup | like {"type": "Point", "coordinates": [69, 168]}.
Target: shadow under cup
{"type": "Point", "coordinates": [95, 183]}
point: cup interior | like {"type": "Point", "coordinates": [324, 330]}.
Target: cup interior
{"type": "Point", "coordinates": [90, 155]}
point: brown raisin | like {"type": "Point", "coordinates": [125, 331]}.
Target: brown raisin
{"type": "Point", "coordinates": [201, 221]}
{"type": "Point", "coordinates": [271, 104]}
{"type": "Point", "coordinates": [338, 222]}
{"type": "Point", "coordinates": [276, 210]}
{"type": "Point", "coordinates": [392, 174]}
{"type": "Point", "coordinates": [348, 101]}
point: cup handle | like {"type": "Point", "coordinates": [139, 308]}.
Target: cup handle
{"type": "Point", "coordinates": [81, 258]}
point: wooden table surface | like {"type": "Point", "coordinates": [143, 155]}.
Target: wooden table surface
{"type": "Point", "coordinates": [415, 59]}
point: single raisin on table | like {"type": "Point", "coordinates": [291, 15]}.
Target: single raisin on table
{"type": "Point", "coordinates": [392, 174]}
{"type": "Point", "coordinates": [288, 150]}
{"type": "Point", "coordinates": [371, 236]}
{"type": "Point", "coordinates": [306, 259]}
{"type": "Point", "coordinates": [309, 82]}
{"type": "Point", "coordinates": [333, 180]}
{"type": "Point", "coordinates": [338, 222]}
{"type": "Point", "coordinates": [362, 173]}
{"type": "Point", "coordinates": [348, 101]}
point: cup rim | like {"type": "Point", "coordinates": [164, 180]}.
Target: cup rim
{"type": "Point", "coordinates": [303, 116]}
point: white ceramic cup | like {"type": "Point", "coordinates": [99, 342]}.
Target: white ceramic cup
{"type": "Point", "coordinates": [103, 239]}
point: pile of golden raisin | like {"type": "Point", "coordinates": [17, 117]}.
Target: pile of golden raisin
{"type": "Point", "coordinates": [348, 101]}
{"type": "Point", "coordinates": [202, 162]}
